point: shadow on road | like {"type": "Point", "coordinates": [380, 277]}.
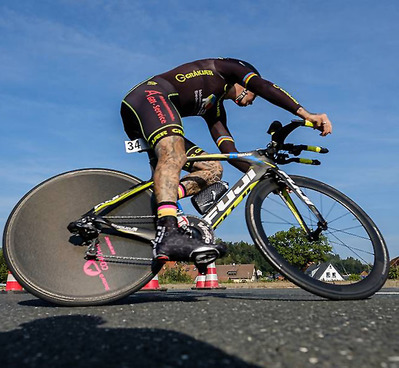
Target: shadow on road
{"type": "Point", "coordinates": [80, 341]}
{"type": "Point", "coordinates": [137, 298]}
{"type": "Point", "coordinates": [189, 296]}
{"type": "Point", "coordinates": [300, 296]}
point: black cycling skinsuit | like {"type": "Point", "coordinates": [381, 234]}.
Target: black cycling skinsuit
{"type": "Point", "coordinates": [153, 109]}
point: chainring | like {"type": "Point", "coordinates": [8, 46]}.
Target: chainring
{"type": "Point", "coordinates": [200, 229]}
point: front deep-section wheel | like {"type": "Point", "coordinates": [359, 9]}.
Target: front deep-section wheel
{"type": "Point", "coordinates": [349, 260]}
{"type": "Point", "coordinates": [50, 262]}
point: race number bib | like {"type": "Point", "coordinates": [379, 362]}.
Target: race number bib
{"type": "Point", "coordinates": [138, 145]}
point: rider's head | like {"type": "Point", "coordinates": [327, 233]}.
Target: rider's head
{"type": "Point", "coordinates": [240, 95]}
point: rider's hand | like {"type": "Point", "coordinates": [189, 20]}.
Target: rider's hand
{"type": "Point", "coordinates": [320, 121]}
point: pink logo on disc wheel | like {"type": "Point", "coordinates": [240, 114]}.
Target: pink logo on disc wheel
{"type": "Point", "coordinates": [91, 268]}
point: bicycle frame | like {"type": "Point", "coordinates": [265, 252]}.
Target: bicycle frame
{"type": "Point", "coordinates": [261, 166]}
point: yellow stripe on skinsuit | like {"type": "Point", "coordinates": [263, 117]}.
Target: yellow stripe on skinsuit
{"type": "Point", "coordinates": [222, 139]}
{"type": "Point", "coordinates": [138, 85]}
{"type": "Point", "coordinates": [282, 90]}
{"type": "Point", "coordinates": [138, 118]}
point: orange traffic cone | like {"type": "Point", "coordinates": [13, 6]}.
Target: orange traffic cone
{"type": "Point", "coordinates": [211, 279]}
{"type": "Point", "coordinates": [12, 284]}
{"type": "Point", "coordinates": [153, 285]}
{"type": "Point", "coordinates": [199, 281]}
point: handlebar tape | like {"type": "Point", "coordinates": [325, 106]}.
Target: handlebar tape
{"type": "Point", "coordinates": [307, 161]}
{"type": "Point", "coordinates": [308, 124]}
{"type": "Point", "coordinates": [316, 149]}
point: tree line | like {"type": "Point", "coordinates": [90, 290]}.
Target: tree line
{"type": "Point", "coordinates": [293, 245]}
{"type": "Point", "coordinates": [3, 268]}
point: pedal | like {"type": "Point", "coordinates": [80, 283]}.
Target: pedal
{"type": "Point", "coordinates": [204, 256]}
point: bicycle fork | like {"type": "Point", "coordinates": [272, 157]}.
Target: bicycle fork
{"type": "Point", "coordinates": [286, 185]}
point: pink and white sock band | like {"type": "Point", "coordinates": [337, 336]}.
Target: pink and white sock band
{"type": "Point", "coordinates": [167, 209]}
{"type": "Point", "coordinates": [181, 192]}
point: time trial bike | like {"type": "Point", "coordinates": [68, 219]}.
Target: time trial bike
{"type": "Point", "coordinates": [84, 237]}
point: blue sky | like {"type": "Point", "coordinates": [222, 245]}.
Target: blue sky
{"type": "Point", "coordinates": [65, 66]}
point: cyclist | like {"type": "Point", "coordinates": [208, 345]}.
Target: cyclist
{"type": "Point", "coordinates": [153, 109]}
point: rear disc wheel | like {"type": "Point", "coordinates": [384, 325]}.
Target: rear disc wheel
{"type": "Point", "coordinates": [50, 262]}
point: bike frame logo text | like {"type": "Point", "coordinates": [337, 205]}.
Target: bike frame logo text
{"type": "Point", "coordinates": [297, 189]}
{"type": "Point", "coordinates": [231, 196]}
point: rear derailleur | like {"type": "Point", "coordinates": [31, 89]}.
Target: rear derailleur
{"type": "Point", "coordinates": [88, 228]}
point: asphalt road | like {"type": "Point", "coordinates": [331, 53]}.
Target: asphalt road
{"type": "Point", "coordinates": [225, 328]}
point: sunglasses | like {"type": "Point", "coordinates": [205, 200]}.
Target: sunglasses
{"type": "Point", "coordinates": [241, 96]}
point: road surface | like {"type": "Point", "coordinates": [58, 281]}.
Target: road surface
{"type": "Point", "coordinates": [243, 328]}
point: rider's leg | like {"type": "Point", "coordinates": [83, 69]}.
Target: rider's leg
{"type": "Point", "coordinates": [170, 242]}
{"type": "Point", "coordinates": [203, 174]}
{"type": "Point", "coordinates": [171, 158]}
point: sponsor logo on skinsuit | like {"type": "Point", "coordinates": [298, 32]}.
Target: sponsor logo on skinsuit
{"type": "Point", "coordinates": [195, 73]}
{"type": "Point", "coordinates": [157, 108]}
{"type": "Point", "coordinates": [165, 133]}
{"type": "Point", "coordinates": [196, 152]}
{"type": "Point", "coordinates": [152, 99]}
{"type": "Point", "coordinates": [158, 137]}
{"type": "Point", "coordinates": [207, 103]}
{"type": "Point", "coordinates": [178, 131]}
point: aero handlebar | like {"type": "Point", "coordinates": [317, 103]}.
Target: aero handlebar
{"type": "Point", "coordinates": [279, 133]}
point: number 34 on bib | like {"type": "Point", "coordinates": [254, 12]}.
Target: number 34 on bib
{"type": "Point", "coordinates": [137, 145]}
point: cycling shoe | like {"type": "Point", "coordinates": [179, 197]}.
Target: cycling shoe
{"type": "Point", "coordinates": [173, 244]}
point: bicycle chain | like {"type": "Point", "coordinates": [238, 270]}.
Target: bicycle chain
{"type": "Point", "coordinates": [125, 260]}
{"type": "Point", "coordinates": [129, 217]}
